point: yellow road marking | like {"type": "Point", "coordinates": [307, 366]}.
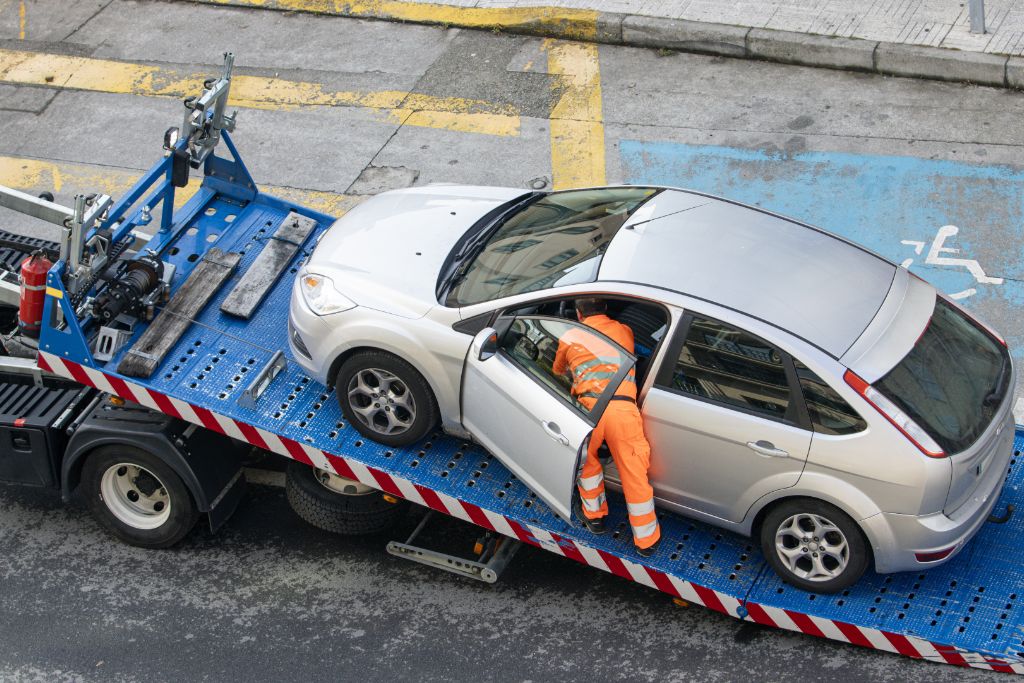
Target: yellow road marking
{"type": "Point", "coordinates": [577, 128]}
{"type": "Point", "coordinates": [254, 92]}
{"type": "Point", "coordinates": [566, 22]}
{"type": "Point", "coordinates": [22, 20]}
{"type": "Point", "coordinates": [36, 175]}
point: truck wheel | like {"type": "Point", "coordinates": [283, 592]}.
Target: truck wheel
{"type": "Point", "coordinates": [385, 398]}
{"type": "Point", "coordinates": [814, 546]}
{"type": "Point", "coordinates": [137, 497]}
{"type": "Point", "coordinates": [340, 505]}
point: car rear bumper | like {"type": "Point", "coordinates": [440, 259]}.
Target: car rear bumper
{"type": "Point", "coordinates": [899, 539]}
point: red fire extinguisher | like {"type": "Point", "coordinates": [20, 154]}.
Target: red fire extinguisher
{"type": "Point", "coordinates": [33, 293]}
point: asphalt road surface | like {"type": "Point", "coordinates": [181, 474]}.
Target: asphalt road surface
{"type": "Point", "coordinates": [332, 110]}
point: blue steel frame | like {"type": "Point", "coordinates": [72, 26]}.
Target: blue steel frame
{"type": "Point", "coordinates": [69, 337]}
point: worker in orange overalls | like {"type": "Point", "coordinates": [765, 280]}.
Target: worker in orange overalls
{"type": "Point", "coordinates": [621, 426]}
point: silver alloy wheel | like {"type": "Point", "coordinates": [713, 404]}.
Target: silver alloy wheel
{"type": "Point", "coordinates": [335, 484]}
{"type": "Point", "coordinates": [812, 547]}
{"type": "Point", "coordinates": [381, 401]}
{"type": "Point", "coordinates": [135, 496]}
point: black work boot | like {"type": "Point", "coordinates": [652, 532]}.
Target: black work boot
{"type": "Point", "coordinates": [596, 526]}
{"type": "Point", "coordinates": [647, 552]}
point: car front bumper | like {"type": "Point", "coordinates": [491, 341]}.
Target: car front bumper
{"type": "Point", "coordinates": [307, 334]}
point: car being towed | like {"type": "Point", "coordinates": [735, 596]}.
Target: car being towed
{"type": "Point", "coordinates": [793, 385]}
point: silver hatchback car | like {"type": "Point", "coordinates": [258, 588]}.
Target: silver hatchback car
{"type": "Point", "coordinates": [793, 385]}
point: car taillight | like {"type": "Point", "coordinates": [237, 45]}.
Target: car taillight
{"type": "Point", "coordinates": [897, 417]}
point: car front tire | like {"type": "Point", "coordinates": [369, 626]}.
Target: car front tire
{"type": "Point", "coordinates": [385, 398]}
{"type": "Point", "coordinates": [814, 546]}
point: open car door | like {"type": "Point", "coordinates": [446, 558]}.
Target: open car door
{"type": "Point", "coordinates": [524, 413]}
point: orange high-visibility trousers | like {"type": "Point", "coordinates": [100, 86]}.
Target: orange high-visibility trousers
{"type": "Point", "coordinates": [622, 428]}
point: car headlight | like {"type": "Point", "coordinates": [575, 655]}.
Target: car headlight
{"type": "Point", "coordinates": [320, 295]}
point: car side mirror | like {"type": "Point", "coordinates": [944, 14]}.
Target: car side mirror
{"type": "Point", "coordinates": [485, 343]}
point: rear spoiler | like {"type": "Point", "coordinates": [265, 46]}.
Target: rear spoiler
{"type": "Point", "coordinates": [896, 327]}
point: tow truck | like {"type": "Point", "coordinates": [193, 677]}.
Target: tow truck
{"type": "Point", "coordinates": [160, 363]}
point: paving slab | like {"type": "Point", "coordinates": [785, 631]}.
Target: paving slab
{"type": "Point", "coordinates": [451, 157]}
{"type": "Point", "coordinates": [27, 99]}
{"type": "Point", "coordinates": [327, 146]}
{"type": "Point", "coordinates": [45, 20]}
{"type": "Point", "coordinates": [261, 40]}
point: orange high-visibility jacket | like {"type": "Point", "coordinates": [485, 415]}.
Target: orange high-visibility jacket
{"type": "Point", "coordinates": [593, 362]}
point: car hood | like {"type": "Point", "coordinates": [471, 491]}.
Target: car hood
{"type": "Point", "coordinates": [387, 252]}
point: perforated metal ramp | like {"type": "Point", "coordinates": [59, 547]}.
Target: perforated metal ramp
{"type": "Point", "coordinates": [967, 612]}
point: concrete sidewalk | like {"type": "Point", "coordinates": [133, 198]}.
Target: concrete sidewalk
{"type": "Point", "coordinates": [916, 38]}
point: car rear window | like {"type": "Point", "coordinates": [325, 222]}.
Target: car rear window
{"type": "Point", "coordinates": [953, 381]}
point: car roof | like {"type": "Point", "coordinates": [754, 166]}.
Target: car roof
{"type": "Point", "coordinates": [804, 280]}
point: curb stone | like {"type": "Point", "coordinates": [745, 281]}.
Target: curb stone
{"type": "Point", "coordinates": [687, 36]}
{"type": "Point", "coordinates": [940, 64]}
{"type": "Point", "coordinates": [812, 50]}
{"type": "Point", "coordinates": [787, 47]}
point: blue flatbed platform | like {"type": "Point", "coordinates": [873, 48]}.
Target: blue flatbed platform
{"type": "Point", "coordinates": [968, 612]}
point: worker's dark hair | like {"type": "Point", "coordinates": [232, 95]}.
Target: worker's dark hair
{"type": "Point", "coordinates": [590, 306]}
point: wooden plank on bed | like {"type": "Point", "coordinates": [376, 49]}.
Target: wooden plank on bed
{"type": "Point", "coordinates": [186, 304]}
{"type": "Point", "coordinates": [264, 272]}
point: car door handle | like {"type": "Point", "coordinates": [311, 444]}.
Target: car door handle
{"type": "Point", "coordinates": [767, 448]}
{"type": "Point", "coordinates": [555, 432]}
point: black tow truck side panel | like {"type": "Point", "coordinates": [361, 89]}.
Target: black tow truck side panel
{"type": "Point", "coordinates": [33, 424]}
{"type": "Point", "coordinates": [210, 464]}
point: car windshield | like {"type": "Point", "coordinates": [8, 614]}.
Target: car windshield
{"type": "Point", "coordinates": [953, 381]}
{"type": "Point", "coordinates": [555, 241]}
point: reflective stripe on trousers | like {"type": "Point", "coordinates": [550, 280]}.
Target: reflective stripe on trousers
{"type": "Point", "coordinates": [594, 504]}
{"type": "Point", "coordinates": [622, 428]}
{"type": "Point", "coordinates": [591, 488]}
{"type": "Point", "coordinates": [642, 532]}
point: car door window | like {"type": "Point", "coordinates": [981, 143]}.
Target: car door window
{"type": "Point", "coordinates": [829, 413]}
{"type": "Point", "coordinates": [533, 344]}
{"type": "Point", "coordinates": [723, 364]}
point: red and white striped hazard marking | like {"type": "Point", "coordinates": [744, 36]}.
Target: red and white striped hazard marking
{"type": "Point", "coordinates": [609, 562]}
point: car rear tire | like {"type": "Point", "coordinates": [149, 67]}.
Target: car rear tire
{"type": "Point", "coordinates": [137, 497]}
{"type": "Point", "coordinates": [385, 398]}
{"type": "Point", "coordinates": [814, 546]}
{"type": "Point", "coordinates": [340, 505]}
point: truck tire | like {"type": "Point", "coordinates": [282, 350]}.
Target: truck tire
{"type": "Point", "coordinates": [137, 497]}
{"type": "Point", "coordinates": [340, 505]}
{"type": "Point", "coordinates": [814, 546]}
{"type": "Point", "coordinates": [385, 398]}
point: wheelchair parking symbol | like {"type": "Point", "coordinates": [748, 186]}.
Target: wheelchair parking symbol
{"type": "Point", "coordinates": [935, 257]}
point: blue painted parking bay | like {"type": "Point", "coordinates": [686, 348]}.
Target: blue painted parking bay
{"type": "Point", "coordinates": [969, 611]}
{"type": "Point", "coordinates": [958, 225]}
